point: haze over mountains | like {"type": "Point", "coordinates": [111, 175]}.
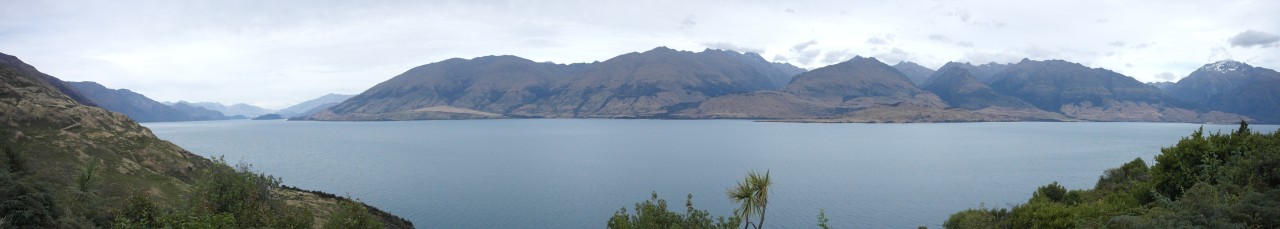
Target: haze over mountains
{"type": "Point", "coordinates": [143, 109]}
{"type": "Point", "coordinates": [712, 84]}
{"type": "Point", "coordinates": [665, 83]}
{"type": "Point", "coordinates": [633, 85]}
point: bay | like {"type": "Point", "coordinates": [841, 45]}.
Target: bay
{"type": "Point", "coordinates": [575, 173]}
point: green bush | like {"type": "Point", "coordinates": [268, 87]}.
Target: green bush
{"type": "Point", "coordinates": [1217, 180]}
{"type": "Point", "coordinates": [25, 203]}
{"type": "Point", "coordinates": [223, 197]}
{"type": "Point", "coordinates": [352, 215]}
{"type": "Point", "coordinates": [980, 218]}
{"type": "Point", "coordinates": [653, 213]}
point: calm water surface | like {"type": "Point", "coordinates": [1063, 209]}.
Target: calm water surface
{"type": "Point", "coordinates": [574, 173]}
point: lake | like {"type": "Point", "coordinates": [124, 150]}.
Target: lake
{"type": "Point", "coordinates": [575, 173]}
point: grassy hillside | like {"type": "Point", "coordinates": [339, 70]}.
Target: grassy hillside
{"type": "Point", "coordinates": [69, 165]}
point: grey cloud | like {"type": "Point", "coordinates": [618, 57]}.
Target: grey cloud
{"type": "Point", "coordinates": [539, 42]}
{"type": "Point", "coordinates": [804, 45]}
{"type": "Point", "coordinates": [779, 58]}
{"type": "Point", "coordinates": [947, 40]}
{"type": "Point", "coordinates": [988, 57]}
{"type": "Point", "coordinates": [1039, 53]}
{"type": "Point", "coordinates": [790, 10]}
{"type": "Point", "coordinates": [939, 38]}
{"type": "Point", "coordinates": [807, 57]}
{"type": "Point", "coordinates": [1218, 53]}
{"type": "Point", "coordinates": [1166, 76]}
{"type": "Point", "coordinates": [688, 22]}
{"type": "Point", "coordinates": [1122, 44]}
{"type": "Point", "coordinates": [894, 55]}
{"type": "Point", "coordinates": [833, 57]}
{"type": "Point", "coordinates": [1252, 38]}
{"type": "Point", "coordinates": [876, 41]}
{"type": "Point", "coordinates": [731, 46]}
{"type": "Point", "coordinates": [966, 17]}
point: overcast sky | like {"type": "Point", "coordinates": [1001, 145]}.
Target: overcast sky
{"type": "Point", "coordinates": [277, 53]}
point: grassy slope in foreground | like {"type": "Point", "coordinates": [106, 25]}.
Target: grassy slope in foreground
{"type": "Point", "coordinates": [69, 165]}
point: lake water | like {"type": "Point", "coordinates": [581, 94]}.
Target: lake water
{"type": "Point", "coordinates": [575, 173]}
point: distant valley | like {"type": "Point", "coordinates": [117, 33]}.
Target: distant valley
{"type": "Point", "coordinates": [143, 109]}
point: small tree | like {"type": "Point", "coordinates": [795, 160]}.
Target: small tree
{"type": "Point", "coordinates": [822, 219]}
{"type": "Point", "coordinates": [752, 195]}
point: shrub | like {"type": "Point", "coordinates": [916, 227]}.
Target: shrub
{"type": "Point", "coordinates": [351, 215]}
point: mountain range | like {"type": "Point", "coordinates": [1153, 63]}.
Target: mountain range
{"type": "Point", "coordinates": [666, 83]}
{"type": "Point", "coordinates": [238, 110]}
{"type": "Point", "coordinates": [143, 109]}
{"type": "Point", "coordinates": [711, 84]}
{"type": "Point", "coordinates": [633, 85]}
{"type": "Point", "coordinates": [1231, 86]}
{"type": "Point", "coordinates": [312, 106]}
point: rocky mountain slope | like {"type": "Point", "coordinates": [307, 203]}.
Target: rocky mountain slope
{"type": "Point", "coordinates": [1093, 94]}
{"type": "Point", "coordinates": [918, 74]}
{"type": "Point", "coordinates": [983, 72]}
{"type": "Point", "coordinates": [137, 106]}
{"type": "Point", "coordinates": [198, 112]}
{"type": "Point", "coordinates": [59, 137]}
{"type": "Point", "coordinates": [960, 89]}
{"type": "Point", "coordinates": [1232, 86]}
{"type": "Point", "coordinates": [634, 85]}
{"type": "Point", "coordinates": [858, 90]}
{"type": "Point", "coordinates": [666, 83]}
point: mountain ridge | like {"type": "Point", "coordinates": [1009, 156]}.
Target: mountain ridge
{"type": "Point", "coordinates": [668, 83]}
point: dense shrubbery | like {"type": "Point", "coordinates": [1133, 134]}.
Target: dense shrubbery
{"type": "Point", "coordinates": [24, 202]}
{"type": "Point", "coordinates": [224, 197]}
{"type": "Point", "coordinates": [1221, 180]}
{"type": "Point", "coordinates": [352, 215]}
{"type": "Point", "coordinates": [653, 213]}
{"type": "Point", "coordinates": [752, 194]}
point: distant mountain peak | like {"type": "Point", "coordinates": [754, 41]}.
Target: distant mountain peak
{"type": "Point", "coordinates": [1227, 65]}
{"type": "Point", "coordinates": [662, 49]}
{"type": "Point", "coordinates": [909, 63]}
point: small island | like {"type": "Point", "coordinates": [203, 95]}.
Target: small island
{"type": "Point", "coordinates": [268, 117]}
